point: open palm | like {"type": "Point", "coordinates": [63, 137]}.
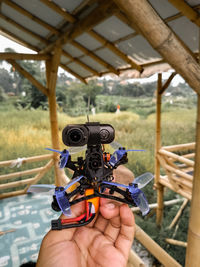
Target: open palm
{"type": "Point", "coordinates": [104, 242]}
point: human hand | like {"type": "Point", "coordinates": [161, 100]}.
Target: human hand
{"type": "Point", "coordinates": [106, 241]}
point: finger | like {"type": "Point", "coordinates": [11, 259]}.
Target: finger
{"type": "Point", "coordinates": [125, 238]}
{"type": "Point", "coordinates": [112, 229]}
{"type": "Point", "coordinates": [108, 210]}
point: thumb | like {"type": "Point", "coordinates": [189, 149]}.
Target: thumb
{"type": "Point", "coordinates": [108, 209]}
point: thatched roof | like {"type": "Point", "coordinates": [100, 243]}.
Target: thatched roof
{"type": "Point", "coordinates": [96, 36]}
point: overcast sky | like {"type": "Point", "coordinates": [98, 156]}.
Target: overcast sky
{"type": "Point", "coordinates": [5, 42]}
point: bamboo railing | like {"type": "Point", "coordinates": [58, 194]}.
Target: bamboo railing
{"type": "Point", "coordinates": [37, 173]}
{"type": "Point", "coordinates": [178, 168]}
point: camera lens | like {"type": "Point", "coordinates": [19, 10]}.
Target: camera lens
{"type": "Point", "coordinates": [75, 136]}
{"type": "Point", "coordinates": [104, 133]}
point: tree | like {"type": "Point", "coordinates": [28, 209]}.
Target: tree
{"type": "Point", "coordinates": [6, 81]}
{"type": "Point", "coordinates": [90, 91]}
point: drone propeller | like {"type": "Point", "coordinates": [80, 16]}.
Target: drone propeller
{"type": "Point", "coordinates": [59, 192]}
{"type": "Point", "coordinates": [134, 189]}
{"type": "Point", "coordinates": [119, 153]}
{"type": "Point", "coordinates": [64, 156]}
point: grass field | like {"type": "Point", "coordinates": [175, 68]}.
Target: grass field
{"type": "Point", "coordinates": [27, 132]}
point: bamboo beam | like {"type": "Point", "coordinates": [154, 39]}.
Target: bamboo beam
{"type": "Point", "coordinates": [167, 83]}
{"type": "Point", "coordinates": [95, 57]}
{"type": "Point", "coordinates": [176, 242]}
{"type": "Point", "coordinates": [165, 182]}
{"type": "Point", "coordinates": [66, 15]}
{"type": "Point", "coordinates": [159, 187]}
{"type": "Point", "coordinates": [24, 12]}
{"type": "Point", "coordinates": [95, 35]}
{"type": "Point", "coordinates": [176, 157]}
{"type": "Point", "coordinates": [16, 183]}
{"type": "Point", "coordinates": [174, 221]}
{"type": "Point", "coordinates": [73, 73]}
{"type": "Point", "coordinates": [76, 60]}
{"type": "Point", "coordinates": [155, 205]}
{"type": "Point", "coordinates": [12, 194]}
{"type": "Point", "coordinates": [51, 77]}
{"type": "Point", "coordinates": [155, 249]}
{"type": "Point", "coordinates": [187, 11]}
{"type": "Point", "coordinates": [29, 77]}
{"type": "Point", "coordinates": [22, 28]}
{"type": "Point", "coordinates": [134, 260]}
{"type": "Point", "coordinates": [23, 56]}
{"type": "Point", "coordinates": [193, 255]}
{"type": "Point", "coordinates": [16, 39]}
{"type": "Point", "coordinates": [162, 39]}
{"type": "Point", "coordinates": [26, 160]}
{"type": "Point", "coordinates": [115, 50]}
{"type": "Point", "coordinates": [40, 174]}
{"type": "Point", "coordinates": [19, 174]}
{"type": "Point", "coordinates": [104, 10]}
{"type": "Point", "coordinates": [187, 146]}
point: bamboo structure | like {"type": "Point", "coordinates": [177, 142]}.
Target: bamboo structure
{"type": "Point", "coordinates": [38, 172]}
{"type": "Point", "coordinates": [155, 249]}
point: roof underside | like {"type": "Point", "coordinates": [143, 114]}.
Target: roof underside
{"type": "Point", "coordinates": [96, 37]}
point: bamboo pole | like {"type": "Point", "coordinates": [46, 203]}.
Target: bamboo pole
{"type": "Point", "coordinates": [12, 194]}
{"type": "Point", "coordinates": [17, 183]}
{"type": "Point", "coordinates": [24, 12]}
{"type": "Point", "coordinates": [95, 57]}
{"type": "Point", "coordinates": [176, 242]}
{"type": "Point", "coordinates": [155, 205]}
{"type": "Point", "coordinates": [26, 160]}
{"type": "Point", "coordinates": [22, 28]}
{"type": "Point", "coordinates": [163, 39]}
{"type": "Point", "coordinates": [19, 174]}
{"type": "Point", "coordinates": [29, 77]}
{"type": "Point", "coordinates": [176, 157]}
{"type": "Point", "coordinates": [23, 56]}
{"type": "Point", "coordinates": [134, 260]}
{"type": "Point", "coordinates": [51, 75]}
{"type": "Point", "coordinates": [179, 147]}
{"type": "Point", "coordinates": [193, 255]}
{"type": "Point", "coordinates": [155, 249]}
{"type": "Point", "coordinates": [40, 174]}
{"type": "Point", "coordinates": [174, 221]}
{"type": "Point", "coordinates": [159, 187]}
{"type": "Point", "coordinates": [187, 11]}
{"type": "Point", "coordinates": [164, 181]}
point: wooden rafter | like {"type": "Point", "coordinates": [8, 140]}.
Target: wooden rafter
{"type": "Point", "coordinates": [22, 28]}
{"type": "Point", "coordinates": [67, 16]}
{"type": "Point", "coordinates": [95, 57]}
{"type": "Point", "coordinates": [115, 50]}
{"type": "Point", "coordinates": [16, 39]}
{"type": "Point", "coordinates": [96, 36]}
{"type": "Point", "coordinates": [163, 39]}
{"type": "Point", "coordinates": [76, 60]}
{"type": "Point", "coordinates": [73, 73]}
{"type": "Point", "coordinates": [30, 16]}
{"type": "Point", "coordinates": [21, 56]}
{"type": "Point", "coordinates": [103, 11]}
{"type": "Point", "coordinates": [187, 11]}
{"type": "Point", "coordinates": [28, 76]}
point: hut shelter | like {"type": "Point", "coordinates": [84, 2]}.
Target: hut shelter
{"type": "Point", "coordinates": [134, 38]}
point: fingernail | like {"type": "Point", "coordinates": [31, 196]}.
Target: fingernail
{"type": "Point", "coordinates": [110, 206]}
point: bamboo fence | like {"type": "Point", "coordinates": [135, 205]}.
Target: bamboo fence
{"type": "Point", "coordinates": [37, 173]}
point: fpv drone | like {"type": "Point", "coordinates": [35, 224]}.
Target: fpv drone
{"type": "Point", "coordinates": [93, 176]}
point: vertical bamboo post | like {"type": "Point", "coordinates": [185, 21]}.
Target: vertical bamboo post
{"type": "Point", "coordinates": [192, 254]}
{"type": "Point", "coordinates": [51, 77]}
{"type": "Point", "coordinates": [159, 187]}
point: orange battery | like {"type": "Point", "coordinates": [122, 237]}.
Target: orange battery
{"type": "Point", "coordinates": [94, 201]}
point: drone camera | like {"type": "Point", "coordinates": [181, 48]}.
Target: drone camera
{"type": "Point", "coordinates": [91, 133]}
